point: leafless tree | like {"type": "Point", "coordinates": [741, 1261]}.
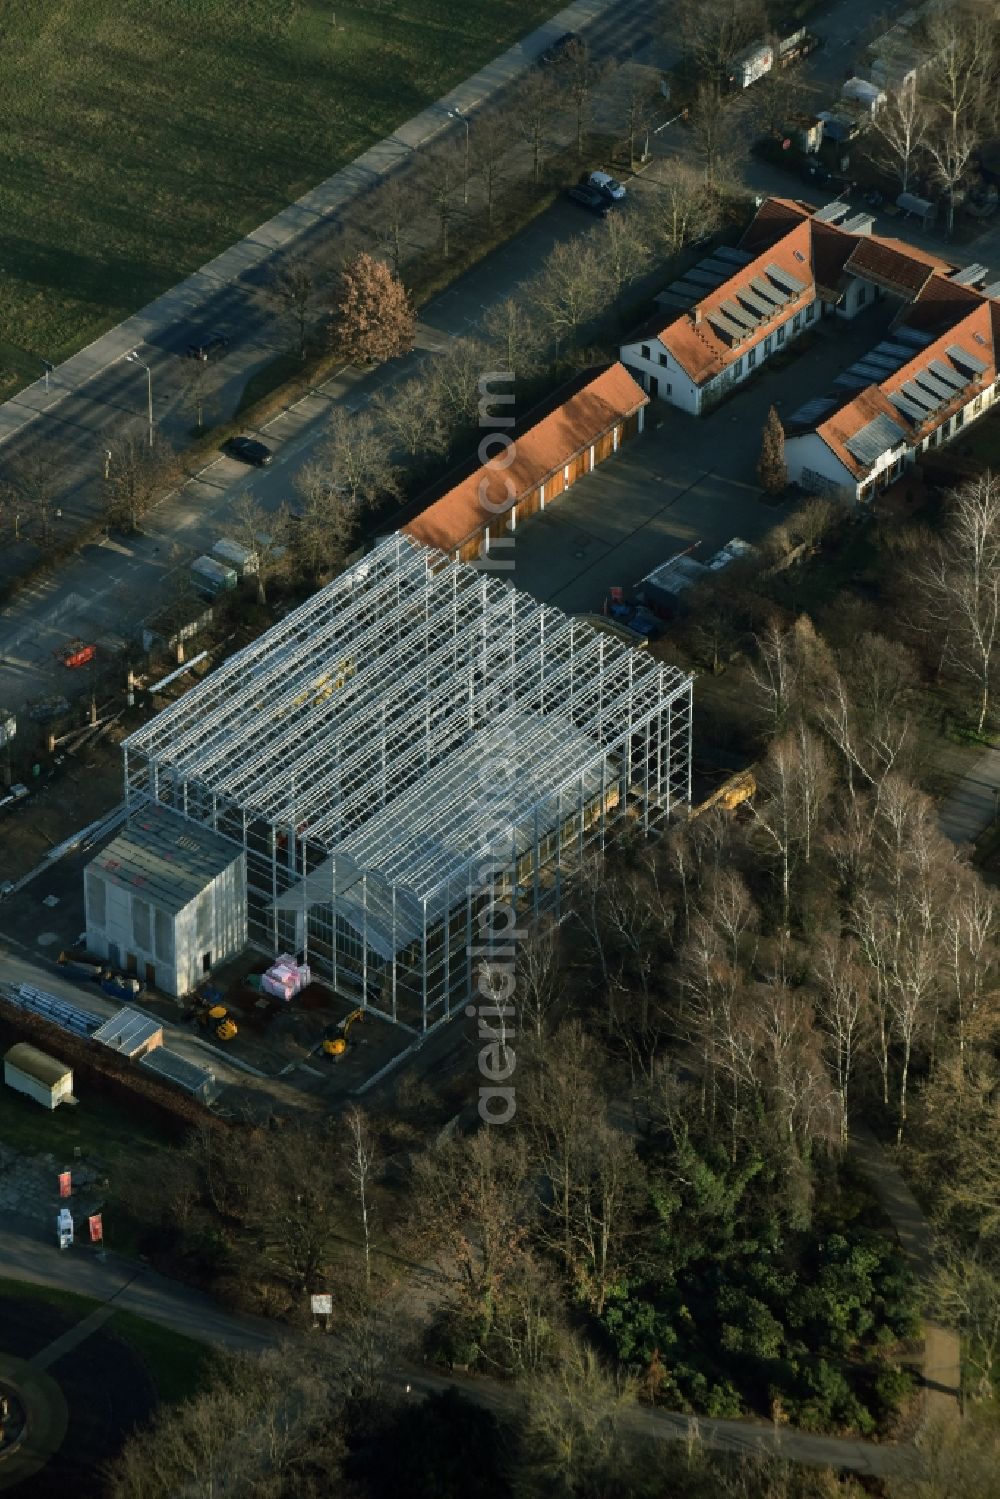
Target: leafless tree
{"type": "Point", "coordinates": [393, 210]}
{"type": "Point", "coordinates": [572, 1418]}
{"type": "Point", "coordinates": [623, 248]}
{"type": "Point", "coordinates": [632, 91]}
{"type": "Point", "coordinates": [490, 150]}
{"type": "Point", "coordinates": [681, 209]}
{"type": "Point", "coordinates": [136, 474]}
{"type": "Point", "coordinates": [360, 1157]}
{"type": "Point", "coordinates": [201, 383]}
{"type": "Point", "coordinates": [454, 383]}
{"type": "Point", "coordinates": [958, 589]}
{"type": "Point", "coordinates": [796, 780]}
{"type": "Point", "coordinates": [357, 459]}
{"type": "Point", "coordinates": [531, 108]}
{"type": "Point", "coordinates": [950, 147]}
{"type": "Point", "coordinates": [578, 75]}
{"type": "Point", "coordinates": [965, 1291]}
{"type": "Point", "coordinates": [513, 334]}
{"type": "Point", "coordinates": [841, 999]}
{"type": "Point", "coordinates": [328, 525]}
{"type": "Point", "coordinates": [714, 135]}
{"type": "Point", "coordinates": [414, 419]}
{"type": "Point", "coordinates": [441, 172]}
{"type": "Point", "coordinates": [569, 290]}
{"type": "Point", "coordinates": [539, 981]}
{"type": "Point", "coordinates": [292, 288]}
{"type": "Point", "coordinates": [32, 488]}
{"type": "Point", "coordinates": [900, 125]}
{"type": "Point", "coordinates": [263, 534]}
{"type": "Point", "coordinates": [714, 31]}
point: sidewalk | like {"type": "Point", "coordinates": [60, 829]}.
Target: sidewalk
{"type": "Point", "coordinates": [183, 301]}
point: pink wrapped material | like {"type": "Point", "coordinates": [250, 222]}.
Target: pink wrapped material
{"type": "Point", "coordinates": [286, 978]}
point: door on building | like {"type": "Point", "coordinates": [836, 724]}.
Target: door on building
{"type": "Point", "coordinates": [131, 963]}
{"type": "Point", "coordinates": [654, 386]}
{"type": "Point", "coordinates": [206, 962]}
{"type": "Point", "coordinates": [150, 976]}
{"type": "Point", "coordinates": [114, 955]}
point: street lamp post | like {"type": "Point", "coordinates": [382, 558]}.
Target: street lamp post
{"type": "Point", "coordinates": [48, 367]}
{"type": "Point", "coordinates": [133, 358]}
{"type": "Point", "coordinates": [456, 114]}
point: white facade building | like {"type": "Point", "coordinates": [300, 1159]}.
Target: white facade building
{"type": "Point", "coordinates": [166, 900]}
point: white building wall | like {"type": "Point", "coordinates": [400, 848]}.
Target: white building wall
{"type": "Point", "coordinates": [675, 386]}
{"type": "Point", "coordinates": [663, 381]}
{"type": "Point", "coordinates": [49, 1096]}
{"type": "Point", "coordinates": [858, 296]}
{"type": "Point", "coordinates": [173, 945]}
{"type": "Point", "coordinates": [815, 466]}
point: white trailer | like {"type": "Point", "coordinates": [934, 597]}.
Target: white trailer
{"type": "Point", "coordinates": [231, 554]}
{"type": "Point", "coordinates": [37, 1075]}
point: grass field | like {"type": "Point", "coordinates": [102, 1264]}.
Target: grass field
{"type": "Point", "coordinates": [97, 1126]}
{"type": "Point", "coordinates": [179, 1365]}
{"type": "Point", "coordinates": [141, 137]}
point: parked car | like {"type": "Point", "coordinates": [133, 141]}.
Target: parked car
{"type": "Point", "coordinates": [590, 198]}
{"type": "Point", "coordinates": [208, 346]}
{"type": "Point", "coordinates": [558, 49]}
{"type": "Point", "coordinates": [250, 450]}
{"type": "Point", "coordinates": [606, 184]}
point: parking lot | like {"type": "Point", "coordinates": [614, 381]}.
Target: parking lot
{"type": "Point", "coordinates": [685, 480]}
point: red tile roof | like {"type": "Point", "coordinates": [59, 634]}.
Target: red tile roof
{"type": "Point", "coordinates": [540, 451]}
{"type": "Point", "coordinates": [978, 335]}
{"type": "Point", "coordinates": [695, 340]}
{"type": "Point", "coordinates": [891, 263]}
{"type": "Point", "coordinates": [772, 220]}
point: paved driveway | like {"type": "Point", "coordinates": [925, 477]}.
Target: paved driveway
{"type": "Point", "coordinates": [686, 480]}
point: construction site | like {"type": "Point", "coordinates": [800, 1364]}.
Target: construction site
{"type": "Point", "coordinates": [413, 745]}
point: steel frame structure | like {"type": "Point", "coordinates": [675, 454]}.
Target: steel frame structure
{"type": "Point", "coordinates": [416, 743]}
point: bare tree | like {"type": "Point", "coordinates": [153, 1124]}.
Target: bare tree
{"type": "Point", "coordinates": [958, 589]}
{"type": "Point", "coordinates": [393, 210]}
{"type": "Point", "coordinates": [490, 149]}
{"type": "Point", "coordinates": [623, 248]}
{"type": "Point", "coordinates": [569, 289]}
{"type": "Point", "coordinates": [357, 459]}
{"type": "Point", "coordinates": [539, 981]}
{"type": "Point", "coordinates": [531, 108]}
{"type": "Point", "coordinates": [441, 174]}
{"type": "Point", "coordinates": [572, 1418]}
{"type": "Point", "coordinates": [291, 287]}
{"type": "Point", "coordinates": [413, 417]}
{"type": "Point", "coordinates": [714, 135]}
{"type": "Point", "coordinates": [965, 1291]}
{"type": "Point", "coordinates": [200, 383]}
{"type": "Point", "coordinates": [681, 210]}
{"type": "Point", "coordinates": [841, 998]}
{"type": "Point", "coordinates": [950, 147]}
{"type": "Point", "coordinates": [136, 473]}
{"type": "Point", "coordinates": [632, 91]}
{"type": "Point", "coordinates": [514, 335]}
{"type": "Point", "coordinates": [328, 526]}
{"type": "Point", "coordinates": [33, 487]}
{"type": "Point", "coordinates": [714, 31]}
{"type": "Point", "coordinates": [578, 75]}
{"type": "Point", "coordinates": [796, 780]}
{"type": "Point", "coordinates": [372, 318]}
{"type": "Point", "coordinates": [900, 125]}
{"type": "Point", "coordinates": [360, 1159]}
{"type": "Point", "coordinates": [263, 534]}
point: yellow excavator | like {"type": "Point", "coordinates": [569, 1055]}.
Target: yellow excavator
{"type": "Point", "coordinates": [733, 792]}
{"type": "Point", "coordinates": [335, 1046]}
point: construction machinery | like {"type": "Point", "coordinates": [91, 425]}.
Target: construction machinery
{"type": "Point", "coordinates": [214, 1016]}
{"type": "Point", "coordinates": [739, 788]}
{"type": "Point", "coordinates": [335, 1046]}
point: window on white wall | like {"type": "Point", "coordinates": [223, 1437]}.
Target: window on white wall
{"type": "Point", "coordinates": [738, 368]}
{"type": "Point", "coordinates": [751, 358]}
{"type": "Point", "coordinates": [645, 351]}
{"type": "Point", "coordinates": [810, 312]}
{"type": "Point", "coordinates": [862, 296]}
{"type": "Point", "coordinates": [781, 334]}
{"type": "Point", "coordinates": [663, 360]}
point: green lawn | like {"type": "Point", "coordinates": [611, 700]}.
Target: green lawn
{"type": "Point", "coordinates": [141, 137]}
{"type": "Point", "coordinates": [99, 1126]}
{"type": "Point", "coordinates": [179, 1365]}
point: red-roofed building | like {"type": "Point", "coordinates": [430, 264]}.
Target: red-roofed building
{"type": "Point", "coordinates": [865, 443]}
{"type": "Point", "coordinates": [791, 267]}
{"type": "Point", "coordinates": [527, 469]}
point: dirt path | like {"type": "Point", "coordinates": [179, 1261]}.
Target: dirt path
{"type": "Point", "coordinates": [942, 1365]}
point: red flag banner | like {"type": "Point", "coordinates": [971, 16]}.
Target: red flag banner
{"type": "Point", "coordinates": [96, 1229]}
{"type": "Point", "coordinates": [65, 1183]}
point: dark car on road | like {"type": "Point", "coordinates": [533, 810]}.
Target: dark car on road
{"type": "Point", "coordinates": [558, 50]}
{"type": "Point", "coordinates": [208, 346]}
{"type": "Point", "coordinates": [590, 198]}
{"type": "Point", "coordinates": [249, 450]}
